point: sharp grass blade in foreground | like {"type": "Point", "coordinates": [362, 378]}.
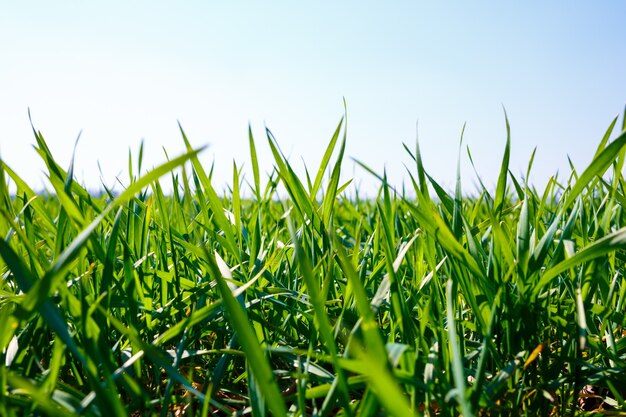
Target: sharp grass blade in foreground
{"type": "Point", "coordinates": [607, 245]}
{"type": "Point", "coordinates": [257, 361]}
{"type": "Point", "coordinates": [455, 352]}
{"type": "Point", "coordinates": [322, 321]}
{"type": "Point", "coordinates": [598, 166]}
{"type": "Point", "coordinates": [372, 352]}
{"type": "Point", "coordinates": [255, 165]}
{"type": "Point", "coordinates": [504, 171]}
{"type": "Point", "coordinates": [326, 159]}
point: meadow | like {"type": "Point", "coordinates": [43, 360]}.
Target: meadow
{"type": "Point", "coordinates": [283, 296]}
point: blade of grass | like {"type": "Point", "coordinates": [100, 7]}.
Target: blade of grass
{"type": "Point", "coordinates": [249, 342]}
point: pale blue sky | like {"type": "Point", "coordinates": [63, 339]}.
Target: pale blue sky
{"type": "Point", "coordinates": [123, 71]}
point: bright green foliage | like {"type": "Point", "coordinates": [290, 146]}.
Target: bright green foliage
{"type": "Point", "coordinates": [421, 303]}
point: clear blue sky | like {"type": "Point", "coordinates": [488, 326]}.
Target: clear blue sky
{"type": "Point", "coordinates": [123, 71]}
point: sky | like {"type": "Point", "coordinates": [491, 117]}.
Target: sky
{"type": "Point", "coordinates": [123, 72]}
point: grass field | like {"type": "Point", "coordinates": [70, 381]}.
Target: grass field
{"type": "Point", "coordinates": [508, 302]}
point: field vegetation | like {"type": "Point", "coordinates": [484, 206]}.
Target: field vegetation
{"type": "Point", "coordinates": [306, 302]}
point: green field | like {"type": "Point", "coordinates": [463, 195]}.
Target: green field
{"type": "Point", "coordinates": [284, 297]}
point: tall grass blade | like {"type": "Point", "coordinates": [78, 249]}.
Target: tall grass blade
{"type": "Point", "coordinates": [249, 342]}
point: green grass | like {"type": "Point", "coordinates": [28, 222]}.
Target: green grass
{"type": "Point", "coordinates": [508, 302]}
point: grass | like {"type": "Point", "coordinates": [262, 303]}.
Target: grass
{"type": "Point", "coordinates": [505, 303]}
